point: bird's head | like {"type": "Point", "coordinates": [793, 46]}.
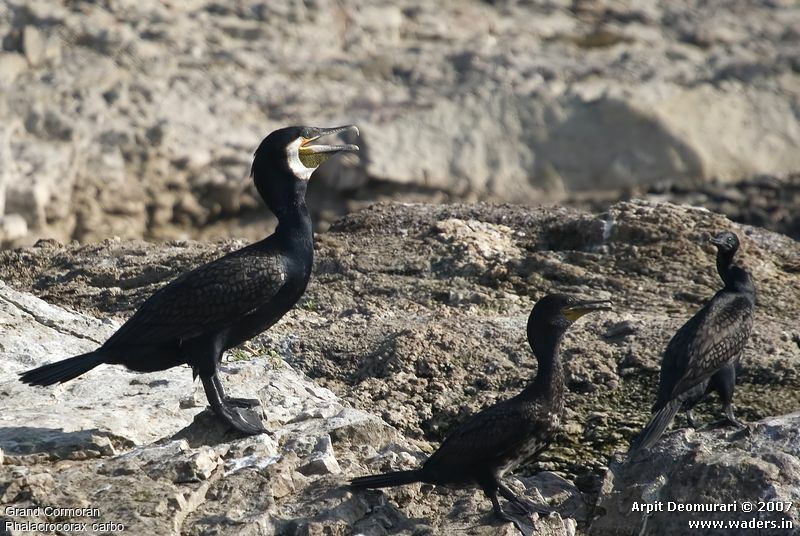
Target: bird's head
{"type": "Point", "coordinates": [726, 242]}
{"type": "Point", "coordinates": [291, 150]}
{"type": "Point", "coordinates": [558, 312]}
{"type": "Point", "coordinates": [286, 159]}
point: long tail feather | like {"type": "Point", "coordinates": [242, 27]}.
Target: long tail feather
{"type": "Point", "coordinates": [656, 427]}
{"type": "Point", "coordinates": [386, 480]}
{"type": "Point", "coordinates": [62, 371]}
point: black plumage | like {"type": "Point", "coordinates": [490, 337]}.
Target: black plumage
{"type": "Point", "coordinates": [703, 354]}
{"type": "Point", "coordinates": [219, 305]}
{"type": "Point", "coordinates": [511, 433]}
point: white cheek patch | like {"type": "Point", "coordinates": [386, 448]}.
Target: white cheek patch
{"type": "Point", "coordinates": [293, 153]}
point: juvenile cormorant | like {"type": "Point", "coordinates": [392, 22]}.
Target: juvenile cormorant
{"type": "Point", "coordinates": [511, 433]}
{"type": "Point", "coordinates": [219, 305]}
{"type": "Point", "coordinates": [703, 353]}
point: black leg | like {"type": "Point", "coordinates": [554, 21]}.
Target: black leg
{"type": "Point", "coordinates": [526, 529]}
{"type": "Point", "coordinates": [523, 524]}
{"type": "Point", "coordinates": [242, 420]}
{"type": "Point", "coordinates": [232, 401]}
{"type": "Point", "coordinates": [499, 513]}
{"type": "Point", "coordinates": [725, 386]}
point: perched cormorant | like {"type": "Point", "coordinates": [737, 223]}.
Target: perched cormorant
{"type": "Point", "coordinates": [703, 354]}
{"type": "Point", "coordinates": [219, 305]}
{"type": "Point", "coordinates": [511, 433]}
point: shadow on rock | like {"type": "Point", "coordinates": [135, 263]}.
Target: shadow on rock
{"type": "Point", "coordinates": [207, 429]}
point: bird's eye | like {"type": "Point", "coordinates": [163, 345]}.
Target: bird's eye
{"type": "Point", "coordinates": [306, 133]}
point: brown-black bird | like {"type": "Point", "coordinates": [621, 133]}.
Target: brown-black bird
{"type": "Point", "coordinates": [511, 433]}
{"type": "Point", "coordinates": [219, 305]}
{"type": "Point", "coordinates": [702, 355]}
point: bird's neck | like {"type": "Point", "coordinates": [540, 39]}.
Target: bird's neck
{"type": "Point", "coordinates": [549, 380]}
{"type": "Point", "coordinates": [725, 264]}
{"type": "Point", "coordinates": [735, 278]}
{"type": "Point", "coordinates": [294, 223]}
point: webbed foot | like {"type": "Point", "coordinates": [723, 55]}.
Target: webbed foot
{"type": "Point", "coordinates": [245, 421]}
{"type": "Point", "coordinates": [239, 418]}
{"type": "Point", "coordinates": [523, 505]}
{"type": "Point", "coordinates": [526, 526]}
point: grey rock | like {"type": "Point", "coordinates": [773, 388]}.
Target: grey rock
{"type": "Point", "coordinates": [465, 100]}
{"type": "Point", "coordinates": [200, 466]}
{"type": "Point", "coordinates": [484, 247]}
{"type": "Point", "coordinates": [378, 358]}
{"type": "Point", "coordinates": [322, 460]}
{"type": "Point", "coordinates": [762, 201]}
{"type": "Point", "coordinates": [705, 469]}
{"type": "Point", "coordinates": [7, 163]}
{"type": "Point", "coordinates": [12, 65]}
{"type": "Point", "coordinates": [12, 228]}
{"type": "Point", "coordinates": [180, 476]}
{"type": "Point", "coordinates": [42, 184]}
{"type": "Point", "coordinates": [33, 45]}
{"type": "Point", "coordinates": [57, 334]}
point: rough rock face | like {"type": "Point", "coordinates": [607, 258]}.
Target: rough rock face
{"type": "Point", "coordinates": [138, 118]}
{"type": "Point", "coordinates": [414, 319]}
{"type": "Point", "coordinates": [754, 473]}
{"type": "Point", "coordinates": [764, 201]}
{"type": "Point", "coordinates": [138, 455]}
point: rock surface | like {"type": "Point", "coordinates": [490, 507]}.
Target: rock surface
{"type": "Point", "coordinates": [754, 473]}
{"type": "Point", "coordinates": [765, 201]}
{"type": "Point", "coordinates": [139, 455]}
{"type": "Point", "coordinates": [139, 118]}
{"type": "Point", "coordinates": [414, 319]}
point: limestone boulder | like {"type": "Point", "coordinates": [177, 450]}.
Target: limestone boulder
{"type": "Point", "coordinates": [140, 118]}
{"type": "Point", "coordinates": [733, 481]}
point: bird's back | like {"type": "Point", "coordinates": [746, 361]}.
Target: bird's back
{"type": "Point", "coordinates": [209, 298]}
{"type": "Point", "coordinates": [498, 439]}
{"type": "Point", "coordinates": [716, 334]}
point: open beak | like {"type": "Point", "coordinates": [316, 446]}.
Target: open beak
{"type": "Point", "coordinates": [309, 150]}
{"type": "Point", "coordinates": [574, 312]}
{"type": "Point", "coordinates": [716, 241]}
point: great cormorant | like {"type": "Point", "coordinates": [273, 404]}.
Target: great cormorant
{"type": "Point", "coordinates": [702, 355]}
{"type": "Point", "coordinates": [511, 433]}
{"type": "Point", "coordinates": [219, 305]}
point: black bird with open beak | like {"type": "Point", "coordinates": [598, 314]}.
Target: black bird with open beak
{"type": "Point", "coordinates": [219, 305]}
